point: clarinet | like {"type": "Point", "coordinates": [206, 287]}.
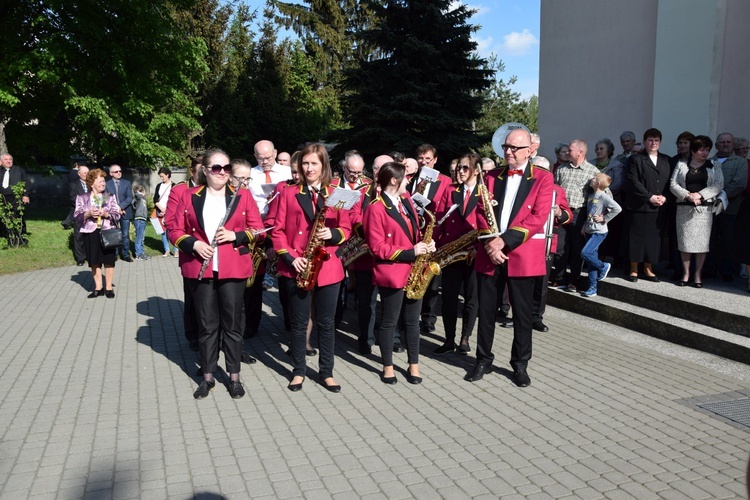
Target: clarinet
{"type": "Point", "coordinates": [214, 243]}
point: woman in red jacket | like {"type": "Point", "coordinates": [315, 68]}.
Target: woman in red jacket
{"type": "Point", "coordinates": [298, 207]}
{"type": "Point", "coordinates": [392, 233]}
{"type": "Point", "coordinates": [217, 297]}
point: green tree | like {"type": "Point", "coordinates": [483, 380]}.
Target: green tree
{"type": "Point", "coordinates": [110, 79]}
{"type": "Point", "coordinates": [424, 85]}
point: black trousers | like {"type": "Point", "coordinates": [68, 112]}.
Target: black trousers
{"type": "Point", "coordinates": [189, 320]}
{"type": "Point", "coordinates": [521, 291]}
{"type": "Point", "coordinates": [541, 291]}
{"type": "Point", "coordinates": [300, 304]}
{"type": "Point", "coordinates": [393, 299]}
{"type": "Point", "coordinates": [79, 251]}
{"type": "Point", "coordinates": [572, 246]}
{"type": "Point", "coordinates": [253, 302]}
{"type": "Point", "coordinates": [218, 307]}
{"type": "Point", "coordinates": [429, 302]}
{"type": "Point", "coordinates": [454, 277]}
{"type": "Point", "coordinates": [366, 293]}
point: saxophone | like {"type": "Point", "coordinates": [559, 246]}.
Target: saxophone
{"type": "Point", "coordinates": [488, 204]}
{"type": "Point", "coordinates": [456, 250]}
{"type": "Point", "coordinates": [315, 253]}
{"type": "Point", "coordinates": [424, 268]}
{"type": "Point", "coordinates": [257, 255]}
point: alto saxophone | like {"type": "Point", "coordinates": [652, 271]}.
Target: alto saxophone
{"type": "Point", "coordinates": [315, 254]}
{"type": "Point", "coordinates": [488, 204]}
{"type": "Point", "coordinates": [423, 268]}
{"type": "Point", "coordinates": [257, 255]}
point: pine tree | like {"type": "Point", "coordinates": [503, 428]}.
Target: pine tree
{"type": "Point", "coordinates": [425, 85]}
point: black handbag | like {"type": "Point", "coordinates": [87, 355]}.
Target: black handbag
{"type": "Point", "coordinates": [112, 237]}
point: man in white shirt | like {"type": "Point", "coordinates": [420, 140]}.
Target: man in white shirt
{"type": "Point", "coordinates": [266, 172]}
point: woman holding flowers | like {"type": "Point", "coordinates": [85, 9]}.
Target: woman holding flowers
{"type": "Point", "coordinates": [96, 210]}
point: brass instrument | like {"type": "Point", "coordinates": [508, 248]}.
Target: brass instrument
{"type": "Point", "coordinates": [315, 253]}
{"type": "Point", "coordinates": [257, 255]}
{"type": "Point", "coordinates": [420, 276]}
{"type": "Point", "coordinates": [488, 204]}
{"type": "Point", "coordinates": [456, 250]}
{"type": "Point", "coordinates": [352, 249]}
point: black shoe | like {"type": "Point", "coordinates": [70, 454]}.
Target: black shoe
{"type": "Point", "coordinates": [425, 327]}
{"type": "Point", "coordinates": [463, 348]}
{"type": "Point", "coordinates": [521, 378]}
{"type": "Point", "coordinates": [631, 278]}
{"type": "Point", "coordinates": [445, 348]}
{"type": "Point", "coordinates": [296, 387]}
{"type": "Point", "coordinates": [195, 346]}
{"type": "Point", "coordinates": [95, 294]}
{"type": "Point", "coordinates": [507, 323]}
{"type": "Point", "coordinates": [365, 350]}
{"type": "Point", "coordinates": [235, 389]}
{"type": "Point", "coordinates": [412, 379]}
{"type": "Point", "coordinates": [539, 326]}
{"type": "Point", "coordinates": [398, 348]}
{"type": "Point", "coordinates": [80, 263]}
{"type": "Point", "coordinates": [698, 285]}
{"type": "Point", "coordinates": [310, 352]}
{"type": "Point", "coordinates": [682, 283]}
{"type": "Point", "coordinates": [127, 259]}
{"type": "Point", "coordinates": [204, 388]}
{"type": "Point", "coordinates": [479, 371]}
{"type": "Point", "coordinates": [652, 279]}
{"type": "Point", "coordinates": [330, 388]}
{"type": "Point", "coordinates": [247, 359]}
{"type": "Point", "coordinates": [110, 294]}
{"type": "Point", "coordinates": [388, 380]}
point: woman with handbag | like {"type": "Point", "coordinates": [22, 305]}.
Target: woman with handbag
{"type": "Point", "coordinates": [97, 211]}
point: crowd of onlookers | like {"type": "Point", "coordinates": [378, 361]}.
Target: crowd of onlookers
{"type": "Point", "coordinates": [689, 210]}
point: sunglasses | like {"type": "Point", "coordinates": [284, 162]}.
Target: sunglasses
{"type": "Point", "coordinates": [217, 169]}
{"type": "Point", "coordinates": [463, 168]}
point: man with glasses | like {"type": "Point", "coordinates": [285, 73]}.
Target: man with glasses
{"type": "Point", "coordinates": [123, 192]}
{"type": "Point", "coordinates": [266, 172]}
{"type": "Point", "coordinates": [514, 255]}
{"type": "Point", "coordinates": [353, 167]}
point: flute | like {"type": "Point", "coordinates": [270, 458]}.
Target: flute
{"type": "Point", "coordinates": [214, 243]}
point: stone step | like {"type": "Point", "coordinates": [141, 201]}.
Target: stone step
{"type": "Point", "coordinates": [713, 320]}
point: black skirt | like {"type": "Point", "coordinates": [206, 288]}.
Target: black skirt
{"type": "Point", "coordinates": [95, 254]}
{"type": "Point", "coordinates": [643, 237]}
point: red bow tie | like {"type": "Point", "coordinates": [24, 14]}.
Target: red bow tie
{"type": "Point", "coordinates": [516, 171]}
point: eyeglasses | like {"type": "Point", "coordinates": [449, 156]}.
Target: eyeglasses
{"type": "Point", "coordinates": [243, 180]}
{"type": "Point", "coordinates": [115, 171]}
{"type": "Point", "coordinates": [217, 169]}
{"type": "Point", "coordinates": [513, 149]}
{"type": "Point", "coordinates": [463, 168]}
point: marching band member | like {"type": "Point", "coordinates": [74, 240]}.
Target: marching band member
{"type": "Point", "coordinates": [392, 233]}
{"type": "Point", "coordinates": [435, 192]}
{"type": "Point", "coordinates": [295, 217]}
{"type": "Point", "coordinates": [217, 297]}
{"type": "Point", "coordinates": [361, 269]}
{"type": "Point", "coordinates": [523, 195]}
{"type": "Point", "coordinates": [462, 220]}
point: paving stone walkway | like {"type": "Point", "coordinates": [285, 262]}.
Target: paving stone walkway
{"type": "Point", "coordinates": [97, 403]}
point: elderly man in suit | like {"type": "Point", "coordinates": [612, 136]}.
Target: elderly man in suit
{"type": "Point", "coordinates": [76, 188]}
{"type": "Point", "coordinates": [512, 253]}
{"type": "Point", "coordinates": [124, 193]}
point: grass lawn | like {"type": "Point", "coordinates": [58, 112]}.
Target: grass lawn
{"type": "Point", "coordinates": [52, 246]}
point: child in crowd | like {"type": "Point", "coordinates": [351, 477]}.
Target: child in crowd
{"type": "Point", "coordinates": [602, 208]}
{"type": "Point", "coordinates": [140, 216]}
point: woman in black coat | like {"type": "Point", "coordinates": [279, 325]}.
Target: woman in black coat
{"type": "Point", "coordinates": [647, 182]}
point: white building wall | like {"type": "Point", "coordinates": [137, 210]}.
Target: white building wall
{"type": "Point", "coordinates": [608, 66]}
